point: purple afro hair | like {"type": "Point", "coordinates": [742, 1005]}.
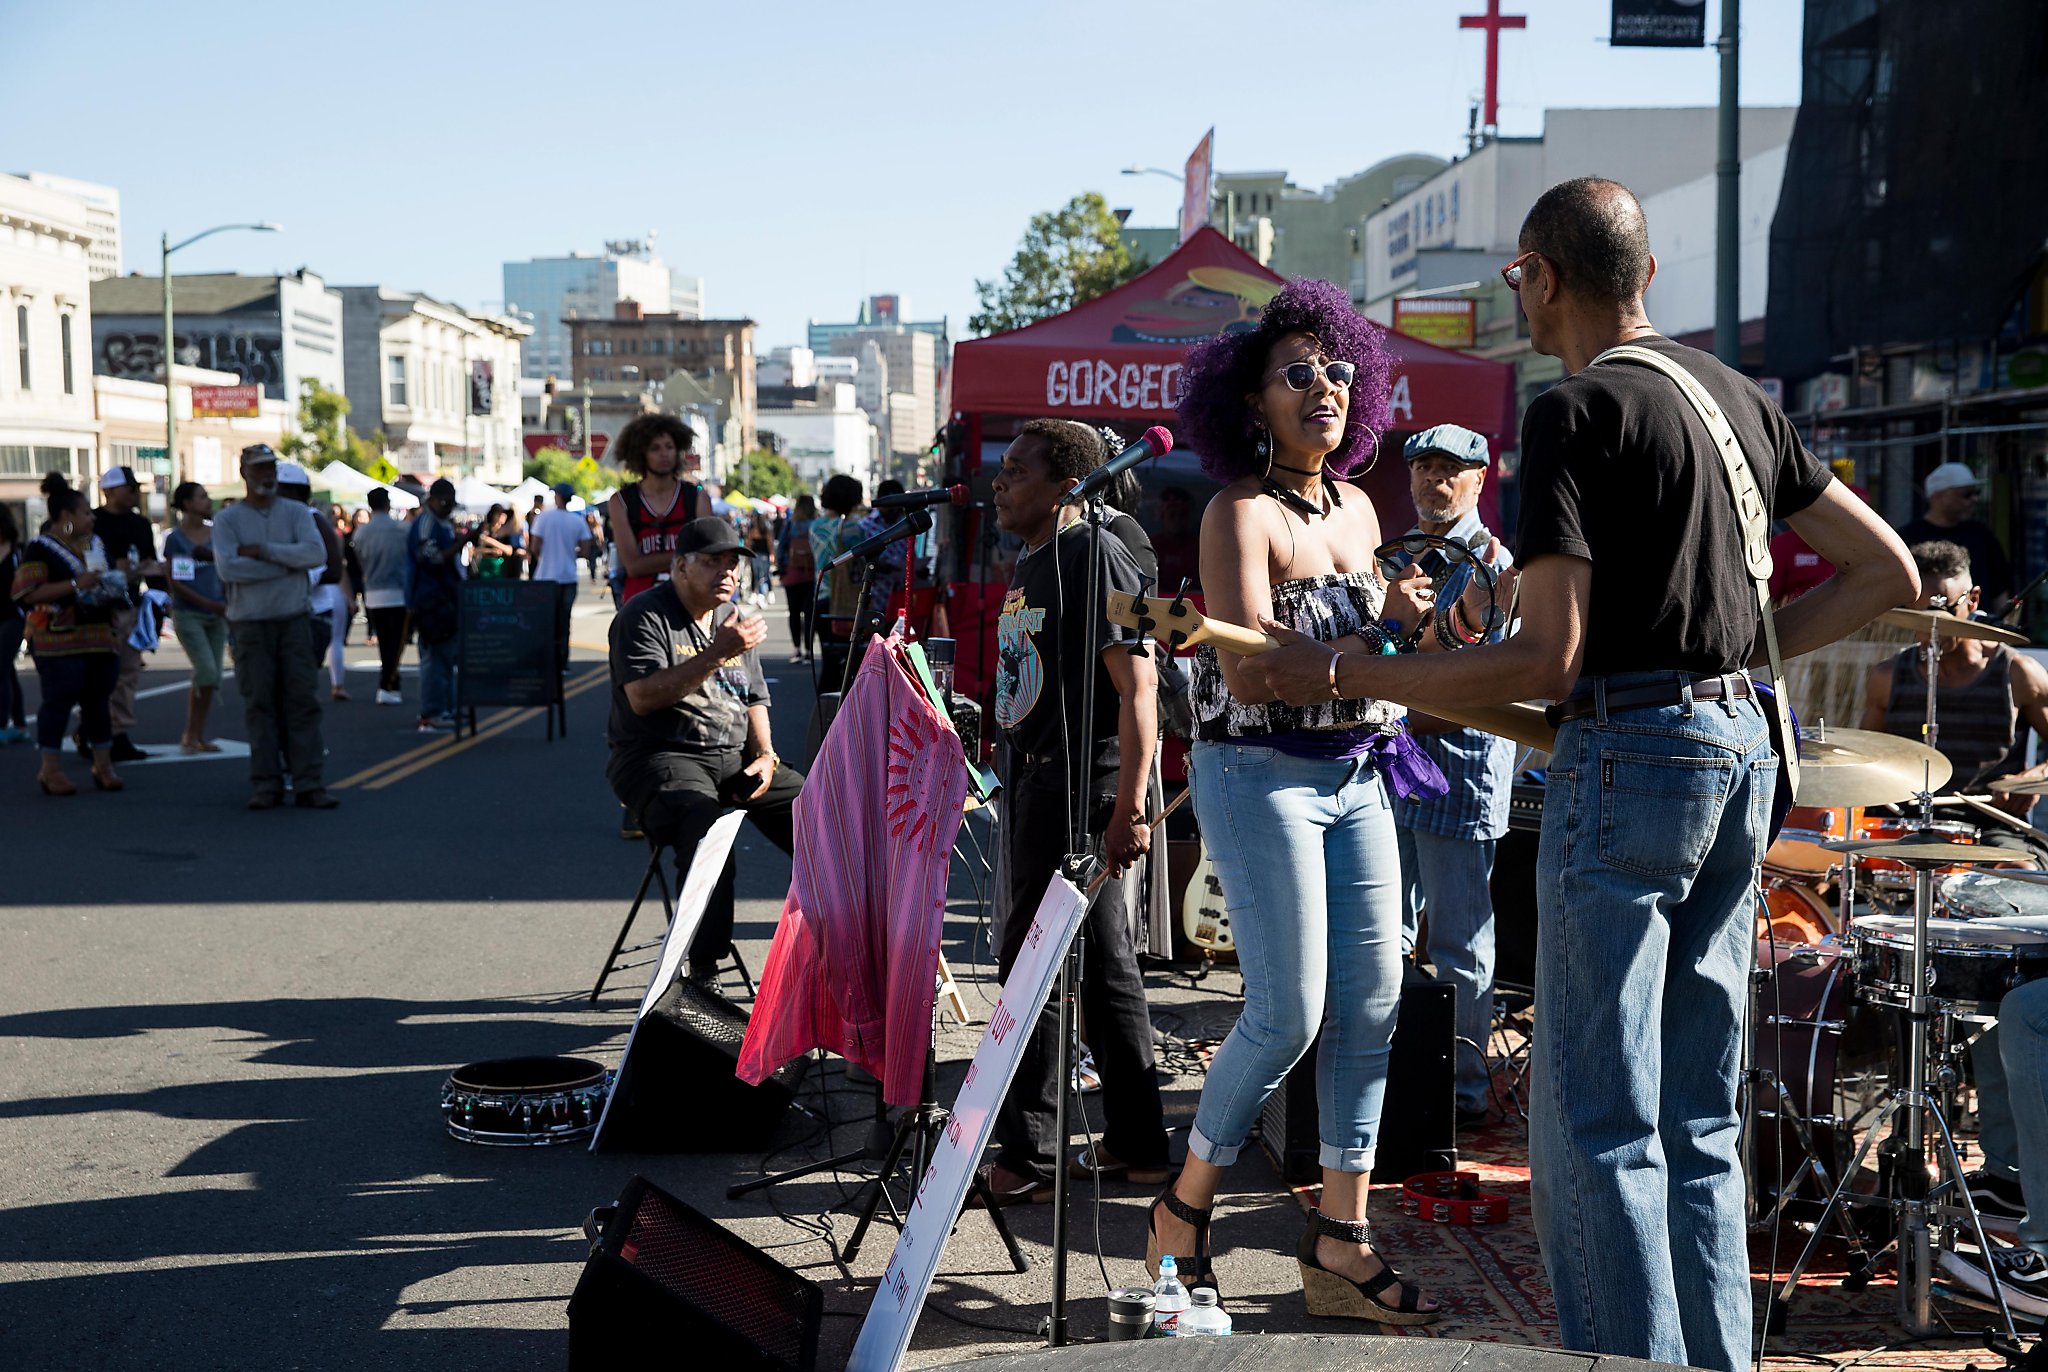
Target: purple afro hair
{"type": "Point", "coordinates": [1220, 372]}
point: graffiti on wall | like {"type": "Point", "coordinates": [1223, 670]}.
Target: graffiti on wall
{"type": "Point", "coordinates": [255, 355]}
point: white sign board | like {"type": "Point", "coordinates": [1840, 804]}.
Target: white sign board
{"type": "Point", "coordinates": [885, 1334]}
{"type": "Point", "coordinates": [707, 864]}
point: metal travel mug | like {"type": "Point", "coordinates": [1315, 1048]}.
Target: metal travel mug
{"type": "Point", "coordinates": [1130, 1312]}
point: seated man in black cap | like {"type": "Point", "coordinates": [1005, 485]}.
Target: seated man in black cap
{"type": "Point", "coordinates": [689, 722]}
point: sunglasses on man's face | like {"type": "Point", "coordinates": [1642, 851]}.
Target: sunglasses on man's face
{"type": "Point", "coordinates": [1299, 376]}
{"type": "Point", "coordinates": [1512, 272]}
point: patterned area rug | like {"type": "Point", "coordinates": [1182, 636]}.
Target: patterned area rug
{"type": "Point", "coordinates": [1491, 1280]}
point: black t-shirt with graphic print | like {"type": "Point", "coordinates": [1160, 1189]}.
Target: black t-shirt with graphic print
{"type": "Point", "coordinates": [652, 633]}
{"type": "Point", "coordinates": [1040, 653]}
{"type": "Point", "coordinates": [1617, 468]}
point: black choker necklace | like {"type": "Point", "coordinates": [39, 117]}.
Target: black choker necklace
{"type": "Point", "coordinates": [1294, 500]}
{"type": "Point", "coordinates": [1298, 471]}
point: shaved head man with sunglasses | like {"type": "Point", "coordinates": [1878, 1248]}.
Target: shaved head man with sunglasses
{"type": "Point", "coordinates": [1639, 617]}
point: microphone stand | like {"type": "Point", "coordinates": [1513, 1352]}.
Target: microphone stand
{"type": "Point", "coordinates": [1080, 867]}
{"type": "Point", "coordinates": [913, 523]}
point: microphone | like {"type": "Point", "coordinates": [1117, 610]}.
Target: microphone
{"type": "Point", "coordinates": [1152, 443]}
{"type": "Point", "coordinates": [917, 500]}
{"type": "Point", "coordinates": [912, 524]}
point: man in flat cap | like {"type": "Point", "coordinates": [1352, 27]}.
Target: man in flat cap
{"type": "Point", "coordinates": [689, 720]}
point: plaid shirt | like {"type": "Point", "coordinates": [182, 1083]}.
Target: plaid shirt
{"type": "Point", "coordinates": [1479, 766]}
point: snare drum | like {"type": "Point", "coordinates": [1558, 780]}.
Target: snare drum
{"type": "Point", "coordinates": [1971, 963]}
{"type": "Point", "coordinates": [525, 1102]}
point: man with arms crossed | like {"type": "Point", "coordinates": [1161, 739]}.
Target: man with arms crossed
{"type": "Point", "coordinates": [1639, 616]}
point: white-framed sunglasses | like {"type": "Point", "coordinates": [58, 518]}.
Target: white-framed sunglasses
{"type": "Point", "coordinates": [1299, 376]}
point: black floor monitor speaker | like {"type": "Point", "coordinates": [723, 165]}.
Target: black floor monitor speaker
{"type": "Point", "coordinates": [662, 1276]}
{"type": "Point", "coordinates": [1419, 1120]}
{"type": "Point", "coordinates": [1514, 911]}
{"type": "Point", "coordinates": [676, 1092]}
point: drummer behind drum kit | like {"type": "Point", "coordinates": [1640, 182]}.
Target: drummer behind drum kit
{"type": "Point", "coordinates": [1863, 1007]}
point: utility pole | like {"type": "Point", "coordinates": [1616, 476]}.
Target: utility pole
{"type": "Point", "coordinates": [1728, 193]}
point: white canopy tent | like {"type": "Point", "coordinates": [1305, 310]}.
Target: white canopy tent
{"type": "Point", "coordinates": [344, 483]}
{"type": "Point", "coordinates": [476, 495]}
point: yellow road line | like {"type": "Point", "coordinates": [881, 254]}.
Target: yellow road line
{"type": "Point", "coordinates": [501, 723]}
{"type": "Point", "coordinates": [430, 746]}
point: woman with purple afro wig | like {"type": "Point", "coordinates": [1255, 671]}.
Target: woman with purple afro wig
{"type": "Point", "coordinates": [1222, 374]}
{"type": "Point", "coordinates": [1294, 801]}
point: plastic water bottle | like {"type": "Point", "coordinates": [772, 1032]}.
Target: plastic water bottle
{"type": "Point", "coordinates": [1204, 1319]}
{"type": "Point", "coordinates": [1170, 1298]}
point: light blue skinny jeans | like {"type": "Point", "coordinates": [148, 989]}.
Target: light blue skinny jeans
{"type": "Point", "coordinates": [1653, 824]}
{"type": "Point", "coordinates": [1305, 852]}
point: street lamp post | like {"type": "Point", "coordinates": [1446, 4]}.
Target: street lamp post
{"type": "Point", "coordinates": [170, 348]}
{"type": "Point", "coordinates": [1169, 175]}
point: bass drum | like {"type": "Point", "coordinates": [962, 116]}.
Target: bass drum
{"type": "Point", "coordinates": [1793, 914]}
{"type": "Point", "coordinates": [1817, 1055]}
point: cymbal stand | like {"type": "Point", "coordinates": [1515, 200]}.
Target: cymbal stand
{"type": "Point", "coordinates": [1916, 1206]}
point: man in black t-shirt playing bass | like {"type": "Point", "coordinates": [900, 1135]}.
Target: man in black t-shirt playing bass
{"type": "Point", "coordinates": [1639, 617]}
{"type": "Point", "coordinates": [1048, 637]}
{"type": "Point", "coordinates": [689, 722]}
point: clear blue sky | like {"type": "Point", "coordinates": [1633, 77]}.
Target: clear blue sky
{"type": "Point", "coordinates": [799, 156]}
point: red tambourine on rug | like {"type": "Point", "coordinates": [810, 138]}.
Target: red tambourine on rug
{"type": "Point", "coordinates": [1452, 1198]}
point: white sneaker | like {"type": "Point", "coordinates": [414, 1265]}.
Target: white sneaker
{"type": "Point", "coordinates": [2022, 1274]}
{"type": "Point", "coordinates": [436, 726]}
{"type": "Point", "coordinates": [390, 698]}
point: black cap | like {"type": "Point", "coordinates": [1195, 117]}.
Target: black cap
{"type": "Point", "coordinates": [442, 489]}
{"type": "Point", "coordinates": [707, 535]}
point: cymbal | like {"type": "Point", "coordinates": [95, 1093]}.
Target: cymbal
{"type": "Point", "coordinates": [2030, 788]}
{"type": "Point", "coordinates": [1949, 626]}
{"type": "Point", "coordinates": [1932, 853]}
{"type": "Point", "coordinates": [1862, 767]}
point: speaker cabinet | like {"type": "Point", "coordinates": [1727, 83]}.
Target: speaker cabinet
{"type": "Point", "coordinates": [1419, 1119]}
{"type": "Point", "coordinates": [676, 1092]}
{"type": "Point", "coordinates": [663, 1276]}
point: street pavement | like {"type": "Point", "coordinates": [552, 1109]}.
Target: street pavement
{"type": "Point", "coordinates": [224, 1035]}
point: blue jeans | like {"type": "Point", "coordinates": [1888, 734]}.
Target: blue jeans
{"type": "Point", "coordinates": [437, 678]}
{"type": "Point", "coordinates": [1305, 852]}
{"type": "Point", "coordinates": [1449, 876]}
{"type": "Point", "coordinates": [1645, 895]}
{"type": "Point", "coordinates": [2015, 1052]}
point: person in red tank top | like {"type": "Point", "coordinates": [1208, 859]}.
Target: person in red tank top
{"type": "Point", "coordinates": [648, 513]}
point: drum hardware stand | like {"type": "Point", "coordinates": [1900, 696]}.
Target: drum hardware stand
{"type": "Point", "coordinates": [1913, 1201]}
{"type": "Point", "coordinates": [917, 1129]}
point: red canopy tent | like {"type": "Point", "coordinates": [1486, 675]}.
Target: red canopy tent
{"type": "Point", "coordinates": [1118, 357]}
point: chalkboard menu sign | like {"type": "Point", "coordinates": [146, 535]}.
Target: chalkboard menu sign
{"type": "Point", "coordinates": [505, 649]}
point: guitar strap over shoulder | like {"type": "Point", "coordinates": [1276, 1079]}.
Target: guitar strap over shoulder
{"type": "Point", "coordinates": [1755, 513]}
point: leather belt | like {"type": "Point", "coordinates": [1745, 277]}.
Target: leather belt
{"type": "Point", "coordinates": [1651, 695]}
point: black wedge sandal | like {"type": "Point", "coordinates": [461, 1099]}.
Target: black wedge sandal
{"type": "Point", "coordinates": [1196, 1268]}
{"type": "Point", "coordinates": [1329, 1293]}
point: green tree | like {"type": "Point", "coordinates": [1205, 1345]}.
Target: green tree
{"type": "Point", "coordinates": [764, 473]}
{"type": "Point", "coordinates": [324, 435]}
{"type": "Point", "coordinates": [552, 465]}
{"type": "Point", "coordinates": [1068, 256]}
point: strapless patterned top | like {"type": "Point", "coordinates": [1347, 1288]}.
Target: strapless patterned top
{"type": "Point", "coordinates": [1325, 608]}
